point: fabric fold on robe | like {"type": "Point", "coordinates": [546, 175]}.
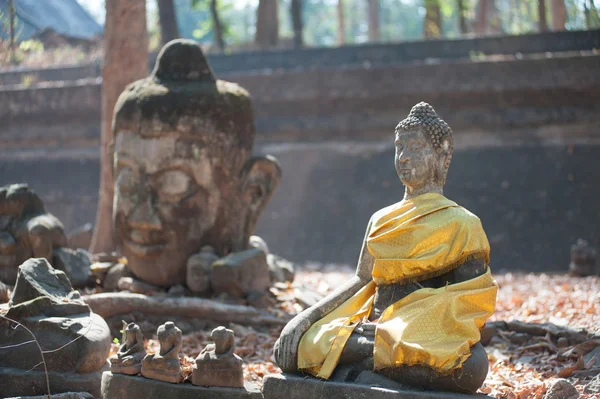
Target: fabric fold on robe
{"type": "Point", "coordinates": [413, 240]}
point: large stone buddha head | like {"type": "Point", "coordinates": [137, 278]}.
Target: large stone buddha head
{"type": "Point", "coordinates": [184, 175]}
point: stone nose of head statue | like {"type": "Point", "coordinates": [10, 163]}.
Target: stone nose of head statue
{"type": "Point", "coordinates": [144, 216]}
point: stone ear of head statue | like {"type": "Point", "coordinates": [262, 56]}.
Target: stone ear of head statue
{"type": "Point", "coordinates": [260, 176]}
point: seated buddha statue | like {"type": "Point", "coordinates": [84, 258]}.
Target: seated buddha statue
{"type": "Point", "coordinates": [422, 290]}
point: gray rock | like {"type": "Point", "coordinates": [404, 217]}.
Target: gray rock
{"type": "Point", "coordinates": [44, 302]}
{"type": "Point", "coordinates": [593, 386]}
{"type": "Point", "coordinates": [241, 273]}
{"type": "Point", "coordinates": [297, 387]}
{"type": "Point", "coordinates": [198, 270]}
{"type": "Point", "coordinates": [595, 353]}
{"type": "Point", "coordinates": [280, 270]}
{"type": "Point", "coordinates": [75, 263]}
{"type": "Point", "coordinates": [562, 389]}
{"type": "Point", "coordinates": [81, 237]}
{"type": "Point", "coordinates": [36, 278]}
{"type": "Point", "coordinates": [114, 274]}
{"type": "Point", "coordinates": [18, 382]}
{"type": "Point", "coordinates": [120, 386]}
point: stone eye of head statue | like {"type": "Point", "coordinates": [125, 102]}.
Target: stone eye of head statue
{"type": "Point", "coordinates": [424, 147]}
{"type": "Point", "coordinates": [184, 177]}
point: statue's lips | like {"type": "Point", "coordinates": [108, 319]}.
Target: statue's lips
{"type": "Point", "coordinates": [145, 250]}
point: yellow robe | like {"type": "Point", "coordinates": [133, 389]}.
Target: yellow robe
{"type": "Point", "coordinates": [412, 241]}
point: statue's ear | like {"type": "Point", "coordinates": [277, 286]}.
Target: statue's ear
{"type": "Point", "coordinates": [260, 177]}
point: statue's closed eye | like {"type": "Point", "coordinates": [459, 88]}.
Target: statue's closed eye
{"type": "Point", "coordinates": [126, 180]}
{"type": "Point", "coordinates": [173, 185]}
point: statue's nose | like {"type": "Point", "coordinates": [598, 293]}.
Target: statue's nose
{"type": "Point", "coordinates": [145, 216]}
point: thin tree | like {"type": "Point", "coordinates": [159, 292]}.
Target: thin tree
{"type": "Point", "coordinates": [11, 27]}
{"type": "Point", "coordinates": [462, 20]}
{"type": "Point", "coordinates": [374, 24]}
{"type": "Point", "coordinates": [559, 15]}
{"type": "Point", "coordinates": [543, 23]}
{"type": "Point", "coordinates": [168, 21]}
{"type": "Point", "coordinates": [341, 27]}
{"type": "Point", "coordinates": [433, 19]}
{"type": "Point", "coordinates": [481, 17]}
{"type": "Point", "coordinates": [125, 60]}
{"type": "Point", "coordinates": [267, 24]}
{"type": "Point", "coordinates": [217, 25]}
{"type": "Point", "coordinates": [296, 15]}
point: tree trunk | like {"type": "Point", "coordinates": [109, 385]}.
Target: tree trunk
{"type": "Point", "coordinates": [11, 27]}
{"type": "Point", "coordinates": [267, 24]}
{"type": "Point", "coordinates": [125, 60]}
{"type": "Point", "coordinates": [168, 21]}
{"type": "Point", "coordinates": [432, 26]}
{"type": "Point", "coordinates": [217, 27]}
{"type": "Point", "coordinates": [462, 21]}
{"type": "Point", "coordinates": [543, 24]}
{"type": "Point", "coordinates": [296, 14]}
{"type": "Point", "coordinates": [481, 18]}
{"type": "Point", "coordinates": [494, 24]}
{"type": "Point", "coordinates": [374, 25]}
{"type": "Point", "coordinates": [559, 15]}
{"type": "Point", "coordinates": [341, 27]}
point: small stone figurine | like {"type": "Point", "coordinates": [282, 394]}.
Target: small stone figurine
{"type": "Point", "coordinates": [129, 358]}
{"type": "Point", "coordinates": [217, 365]}
{"type": "Point", "coordinates": [164, 366]}
{"type": "Point", "coordinates": [583, 260]}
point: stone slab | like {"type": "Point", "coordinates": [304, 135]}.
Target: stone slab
{"type": "Point", "coordinates": [66, 395]}
{"type": "Point", "coordinates": [16, 382]}
{"type": "Point", "coordinates": [120, 386]}
{"type": "Point", "coordinates": [294, 387]}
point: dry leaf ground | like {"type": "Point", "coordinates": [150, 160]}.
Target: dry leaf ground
{"type": "Point", "coordinates": [521, 367]}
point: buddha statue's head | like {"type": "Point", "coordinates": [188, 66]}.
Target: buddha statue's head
{"type": "Point", "coordinates": [183, 172]}
{"type": "Point", "coordinates": [424, 146]}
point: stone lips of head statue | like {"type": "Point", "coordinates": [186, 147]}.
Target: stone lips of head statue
{"type": "Point", "coordinates": [422, 272]}
{"type": "Point", "coordinates": [128, 359]}
{"type": "Point", "coordinates": [217, 365]}
{"type": "Point", "coordinates": [26, 230]}
{"type": "Point", "coordinates": [184, 175]}
{"type": "Point", "coordinates": [164, 366]}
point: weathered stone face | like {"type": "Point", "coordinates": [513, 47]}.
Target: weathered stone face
{"type": "Point", "coordinates": [184, 177]}
{"type": "Point", "coordinates": [416, 160]}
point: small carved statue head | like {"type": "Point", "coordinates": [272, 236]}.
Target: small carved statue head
{"type": "Point", "coordinates": [183, 171]}
{"type": "Point", "coordinates": [224, 340]}
{"type": "Point", "coordinates": [132, 335]}
{"type": "Point", "coordinates": [169, 337]}
{"type": "Point", "coordinates": [424, 147]}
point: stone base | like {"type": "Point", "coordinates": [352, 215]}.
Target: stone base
{"type": "Point", "coordinates": [295, 387]}
{"type": "Point", "coordinates": [18, 382]}
{"type": "Point", "coordinates": [120, 386]}
{"type": "Point", "coordinates": [129, 370]}
{"type": "Point", "coordinates": [162, 375]}
{"type": "Point", "coordinates": [67, 395]}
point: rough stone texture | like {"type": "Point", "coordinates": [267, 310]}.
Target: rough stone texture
{"type": "Point", "coordinates": [593, 354]}
{"type": "Point", "coordinates": [561, 389]}
{"type": "Point", "coordinates": [14, 382]}
{"type": "Point", "coordinates": [191, 135]}
{"type": "Point", "coordinates": [81, 237]}
{"type": "Point", "coordinates": [75, 263]}
{"type": "Point", "coordinates": [241, 273]}
{"type": "Point", "coordinates": [67, 395]}
{"type": "Point", "coordinates": [44, 301]}
{"type": "Point", "coordinates": [217, 365]}
{"type": "Point", "coordinates": [119, 386]}
{"type": "Point", "coordinates": [164, 366]}
{"type": "Point", "coordinates": [593, 386]}
{"type": "Point", "coordinates": [294, 387]}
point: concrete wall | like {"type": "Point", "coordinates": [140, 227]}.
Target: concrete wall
{"type": "Point", "coordinates": [526, 160]}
